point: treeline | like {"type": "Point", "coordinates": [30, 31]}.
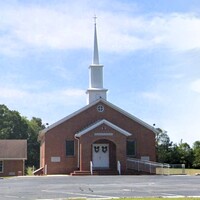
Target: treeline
{"type": "Point", "coordinates": [15, 126]}
{"type": "Point", "coordinates": [171, 153]}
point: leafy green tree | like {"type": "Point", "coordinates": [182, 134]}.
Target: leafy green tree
{"type": "Point", "coordinates": [14, 126]}
{"type": "Point", "coordinates": [34, 126]}
{"type": "Point", "coordinates": [167, 152]}
{"type": "Point", "coordinates": [174, 154]}
{"type": "Point", "coordinates": [185, 154]}
{"type": "Point", "coordinates": [163, 146]}
{"type": "Point", "coordinates": [196, 150]}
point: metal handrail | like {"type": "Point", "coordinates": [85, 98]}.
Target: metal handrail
{"type": "Point", "coordinates": [149, 162]}
{"type": "Point", "coordinates": [145, 165]}
{"type": "Point", "coordinates": [91, 168]}
{"type": "Point", "coordinates": [119, 167]}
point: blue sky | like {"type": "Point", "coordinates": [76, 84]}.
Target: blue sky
{"type": "Point", "coordinates": [150, 50]}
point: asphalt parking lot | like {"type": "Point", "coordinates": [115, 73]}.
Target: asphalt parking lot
{"type": "Point", "coordinates": [98, 187]}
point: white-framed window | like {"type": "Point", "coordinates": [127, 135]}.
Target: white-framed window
{"type": "Point", "coordinates": [1, 166]}
{"type": "Point", "coordinates": [100, 108]}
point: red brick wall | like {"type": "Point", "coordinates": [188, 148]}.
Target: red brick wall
{"type": "Point", "coordinates": [88, 139]}
{"type": "Point", "coordinates": [55, 139]}
{"type": "Point", "coordinates": [12, 168]}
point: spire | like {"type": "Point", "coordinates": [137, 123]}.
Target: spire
{"type": "Point", "coordinates": [95, 53]}
{"type": "Point", "coordinates": [96, 89]}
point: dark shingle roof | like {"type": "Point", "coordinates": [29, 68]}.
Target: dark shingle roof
{"type": "Point", "coordinates": [13, 149]}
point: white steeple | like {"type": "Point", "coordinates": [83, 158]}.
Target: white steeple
{"type": "Point", "coordinates": [96, 52]}
{"type": "Point", "coordinates": [95, 90]}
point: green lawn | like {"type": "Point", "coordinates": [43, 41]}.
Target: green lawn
{"type": "Point", "coordinates": [172, 171]}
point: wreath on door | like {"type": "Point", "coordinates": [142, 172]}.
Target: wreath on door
{"type": "Point", "coordinates": [104, 149]}
{"type": "Point", "coordinates": [96, 149]}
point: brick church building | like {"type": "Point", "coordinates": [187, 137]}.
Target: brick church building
{"type": "Point", "coordinates": [99, 136]}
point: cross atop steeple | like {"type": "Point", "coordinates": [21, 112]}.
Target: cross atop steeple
{"type": "Point", "coordinates": [95, 19]}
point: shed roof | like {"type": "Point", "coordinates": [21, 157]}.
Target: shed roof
{"type": "Point", "coordinates": [13, 149]}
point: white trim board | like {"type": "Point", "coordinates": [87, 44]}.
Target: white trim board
{"type": "Point", "coordinates": [98, 123]}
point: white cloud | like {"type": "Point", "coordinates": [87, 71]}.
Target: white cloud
{"type": "Point", "coordinates": [49, 106]}
{"type": "Point", "coordinates": [73, 93]}
{"type": "Point", "coordinates": [69, 26]}
{"type": "Point", "coordinates": [65, 97]}
{"type": "Point", "coordinates": [195, 86]}
{"type": "Point", "coordinates": [12, 94]}
{"type": "Point", "coordinates": [59, 95]}
{"type": "Point", "coordinates": [152, 96]}
{"type": "Point", "coordinates": [42, 27]}
{"type": "Point", "coordinates": [62, 71]}
{"type": "Point", "coordinates": [182, 32]}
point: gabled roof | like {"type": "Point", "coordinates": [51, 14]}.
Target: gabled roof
{"type": "Point", "coordinates": [92, 104]}
{"type": "Point", "coordinates": [13, 149]}
{"type": "Point", "coordinates": [100, 122]}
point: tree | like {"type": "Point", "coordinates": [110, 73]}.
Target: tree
{"type": "Point", "coordinates": [12, 125]}
{"type": "Point", "coordinates": [167, 152]}
{"type": "Point", "coordinates": [196, 150]}
{"type": "Point", "coordinates": [185, 154]}
{"type": "Point", "coordinates": [163, 146]}
{"type": "Point", "coordinates": [174, 154]}
{"type": "Point", "coordinates": [15, 126]}
{"type": "Point", "coordinates": [34, 126]}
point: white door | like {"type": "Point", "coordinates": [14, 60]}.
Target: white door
{"type": "Point", "coordinates": [100, 155]}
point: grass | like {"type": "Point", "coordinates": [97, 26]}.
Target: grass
{"type": "Point", "coordinates": [174, 171]}
{"type": "Point", "coordinates": [192, 171]}
{"type": "Point", "coordinates": [29, 171]}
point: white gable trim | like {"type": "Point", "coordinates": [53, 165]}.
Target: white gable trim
{"type": "Point", "coordinates": [139, 121]}
{"type": "Point", "coordinates": [90, 105]}
{"type": "Point", "coordinates": [66, 118]}
{"type": "Point", "coordinates": [103, 121]}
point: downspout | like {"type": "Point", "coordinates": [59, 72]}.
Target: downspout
{"type": "Point", "coordinates": [23, 173]}
{"type": "Point", "coordinates": [78, 161]}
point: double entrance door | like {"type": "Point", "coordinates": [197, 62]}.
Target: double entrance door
{"type": "Point", "coordinates": [100, 155]}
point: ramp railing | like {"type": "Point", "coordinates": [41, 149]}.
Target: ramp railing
{"type": "Point", "coordinates": [144, 166]}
